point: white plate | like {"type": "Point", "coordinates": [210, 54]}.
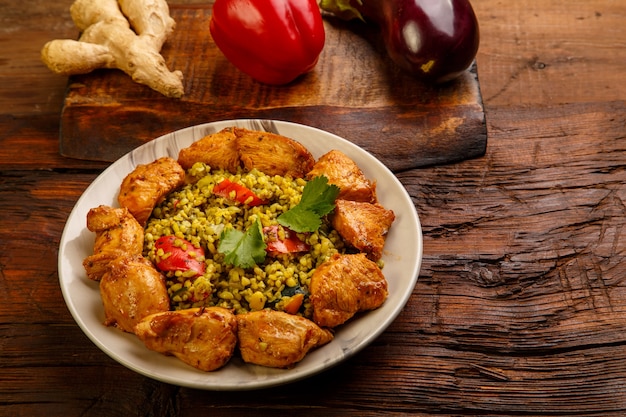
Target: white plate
{"type": "Point", "coordinates": [402, 256]}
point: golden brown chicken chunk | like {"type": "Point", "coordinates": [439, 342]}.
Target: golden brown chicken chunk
{"type": "Point", "coordinates": [273, 154]}
{"type": "Point", "coordinates": [234, 147]}
{"type": "Point", "coordinates": [132, 289]}
{"type": "Point", "coordinates": [363, 225]}
{"type": "Point", "coordinates": [345, 285]}
{"type": "Point", "coordinates": [218, 150]}
{"type": "Point", "coordinates": [204, 338]}
{"type": "Point", "coordinates": [345, 174]}
{"type": "Point", "coordinates": [148, 184]}
{"type": "Point", "coordinates": [277, 339]}
{"type": "Point", "coordinates": [117, 233]}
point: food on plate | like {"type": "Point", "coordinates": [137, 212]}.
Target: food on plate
{"type": "Point", "coordinates": [345, 174]}
{"type": "Point", "coordinates": [174, 254]}
{"type": "Point", "coordinates": [245, 267]}
{"type": "Point", "coordinates": [125, 34]}
{"type": "Point", "coordinates": [345, 285]}
{"type": "Point", "coordinates": [274, 41]}
{"type": "Point", "coordinates": [273, 154]}
{"type": "Point", "coordinates": [436, 41]}
{"type": "Point", "coordinates": [219, 151]}
{"type": "Point", "coordinates": [236, 192]}
{"type": "Point", "coordinates": [280, 240]}
{"type": "Point", "coordinates": [118, 233]}
{"type": "Point", "coordinates": [278, 251]}
{"type": "Point", "coordinates": [131, 289]}
{"type": "Point", "coordinates": [204, 338]}
{"type": "Point", "coordinates": [278, 339]}
{"type": "Point", "coordinates": [363, 225]}
{"type": "Point", "coordinates": [235, 148]}
{"type": "Point", "coordinates": [148, 184]}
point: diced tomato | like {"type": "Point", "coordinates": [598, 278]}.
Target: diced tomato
{"type": "Point", "coordinates": [242, 194]}
{"type": "Point", "coordinates": [290, 244]}
{"type": "Point", "coordinates": [179, 255]}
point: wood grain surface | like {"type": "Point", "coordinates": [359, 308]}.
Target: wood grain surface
{"type": "Point", "coordinates": [520, 307]}
{"type": "Point", "coordinates": [106, 114]}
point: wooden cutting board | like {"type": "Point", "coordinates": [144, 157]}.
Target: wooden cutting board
{"type": "Point", "coordinates": [355, 91]}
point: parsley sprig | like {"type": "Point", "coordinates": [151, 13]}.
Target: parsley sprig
{"type": "Point", "coordinates": [243, 249]}
{"type": "Point", "coordinates": [318, 199]}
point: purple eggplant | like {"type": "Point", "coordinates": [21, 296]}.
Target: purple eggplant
{"type": "Point", "coordinates": [435, 40]}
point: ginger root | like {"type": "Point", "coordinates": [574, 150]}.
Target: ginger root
{"type": "Point", "coordinates": [123, 34]}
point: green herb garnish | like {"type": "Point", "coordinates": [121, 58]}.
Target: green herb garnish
{"type": "Point", "coordinates": [243, 249]}
{"type": "Point", "coordinates": [318, 199]}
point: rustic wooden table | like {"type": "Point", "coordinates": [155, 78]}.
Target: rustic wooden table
{"type": "Point", "coordinates": [520, 307]}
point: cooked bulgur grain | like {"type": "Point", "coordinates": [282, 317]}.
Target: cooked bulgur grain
{"type": "Point", "coordinates": [197, 215]}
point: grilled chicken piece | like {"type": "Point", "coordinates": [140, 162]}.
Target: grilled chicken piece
{"type": "Point", "coordinates": [132, 289]}
{"type": "Point", "coordinates": [345, 285]}
{"type": "Point", "coordinates": [345, 174]}
{"type": "Point", "coordinates": [218, 150]}
{"type": "Point", "coordinates": [148, 184]}
{"type": "Point", "coordinates": [204, 338]}
{"type": "Point", "coordinates": [117, 233]}
{"type": "Point", "coordinates": [273, 154]}
{"type": "Point", "coordinates": [277, 339]}
{"type": "Point", "coordinates": [234, 147]}
{"type": "Point", "coordinates": [363, 225]}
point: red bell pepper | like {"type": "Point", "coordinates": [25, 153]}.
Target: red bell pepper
{"type": "Point", "coordinates": [291, 243]}
{"type": "Point", "coordinates": [273, 41]}
{"type": "Point", "coordinates": [242, 194]}
{"type": "Point", "coordinates": [179, 255]}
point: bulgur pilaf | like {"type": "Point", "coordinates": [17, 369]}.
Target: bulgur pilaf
{"type": "Point", "coordinates": [197, 215]}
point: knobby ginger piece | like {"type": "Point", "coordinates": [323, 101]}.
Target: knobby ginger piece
{"type": "Point", "coordinates": [151, 18]}
{"type": "Point", "coordinates": [74, 57]}
{"type": "Point", "coordinates": [127, 36]}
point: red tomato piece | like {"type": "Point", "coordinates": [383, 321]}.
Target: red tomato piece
{"type": "Point", "coordinates": [179, 255]}
{"type": "Point", "coordinates": [242, 194]}
{"type": "Point", "coordinates": [290, 244]}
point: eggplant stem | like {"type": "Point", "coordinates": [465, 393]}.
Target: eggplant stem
{"type": "Point", "coordinates": [342, 8]}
